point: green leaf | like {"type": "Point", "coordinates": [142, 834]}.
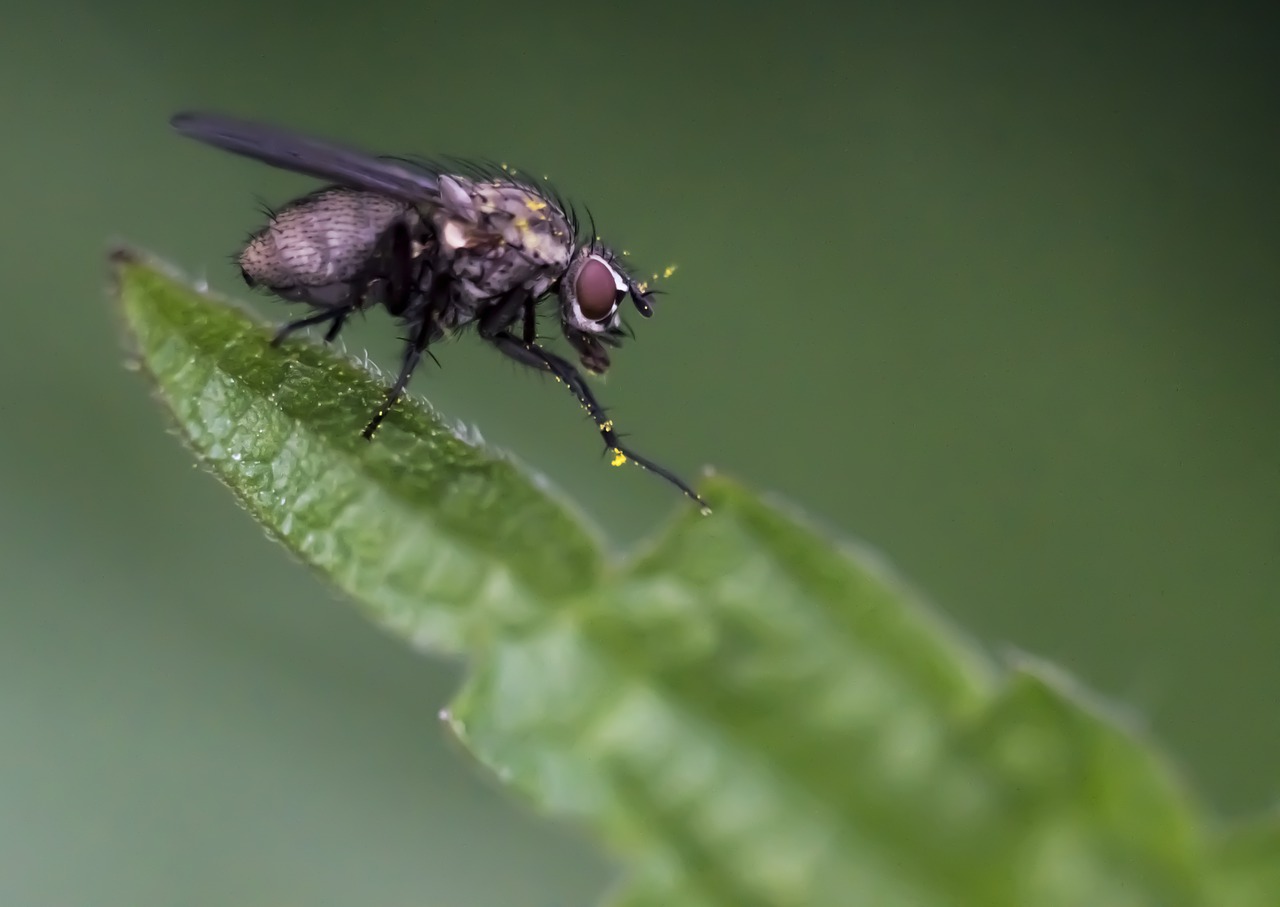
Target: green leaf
{"type": "Point", "coordinates": [1247, 865]}
{"type": "Point", "coordinates": [748, 712]}
{"type": "Point", "coordinates": [440, 539]}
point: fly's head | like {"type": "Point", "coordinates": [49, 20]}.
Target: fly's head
{"type": "Point", "coordinates": [592, 292]}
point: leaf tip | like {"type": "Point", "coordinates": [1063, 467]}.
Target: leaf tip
{"type": "Point", "coordinates": [123, 258]}
{"type": "Point", "coordinates": [121, 253]}
{"type": "Point", "coordinates": [718, 489]}
{"type": "Point", "coordinates": [120, 257]}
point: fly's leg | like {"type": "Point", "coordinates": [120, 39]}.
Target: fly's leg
{"type": "Point", "coordinates": [414, 348]}
{"type": "Point", "coordinates": [336, 314]}
{"type": "Point", "coordinates": [410, 282]}
{"type": "Point", "coordinates": [536, 357]}
{"type": "Point", "coordinates": [399, 271]}
{"type": "Point", "coordinates": [530, 322]}
{"type": "Point", "coordinates": [502, 314]}
{"type": "Point", "coordinates": [393, 269]}
{"type": "Point", "coordinates": [336, 328]}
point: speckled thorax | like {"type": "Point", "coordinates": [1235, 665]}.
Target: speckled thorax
{"type": "Point", "coordinates": [499, 234]}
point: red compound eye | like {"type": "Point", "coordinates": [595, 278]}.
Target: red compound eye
{"type": "Point", "coordinates": [596, 290]}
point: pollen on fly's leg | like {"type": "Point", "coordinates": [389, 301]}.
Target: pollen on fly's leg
{"type": "Point", "coordinates": [544, 360]}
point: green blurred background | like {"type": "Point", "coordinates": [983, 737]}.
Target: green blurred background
{"type": "Point", "coordinates": [996, 291]}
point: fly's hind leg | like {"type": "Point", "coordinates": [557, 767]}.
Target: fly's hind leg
{"type": "Point", "coordinates": [389, 276]}
{"type": "Point", "coordinates": [336, 314]}
{"type": "Point", "coordinates": [336, 328]}
{"type": "Point", "coordinates": [330, 304]}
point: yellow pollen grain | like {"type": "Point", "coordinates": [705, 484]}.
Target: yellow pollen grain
{"type": "Point", "coordinates": [670, 269]}
{"type": "Point", "coordinates": [618, 457]}
{"type": "Point", "coordinates": [535, 205]}
{"type": "Point", "coordinates": [607, 426]}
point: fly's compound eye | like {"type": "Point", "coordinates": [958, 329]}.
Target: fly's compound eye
{"type": "Point", "coordinates": [596, 290]}
{"type": "Point", "coordinates": [592, 292]}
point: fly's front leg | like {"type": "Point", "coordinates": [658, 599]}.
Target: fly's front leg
{"type": "Point", "coordinates": [536, 357]}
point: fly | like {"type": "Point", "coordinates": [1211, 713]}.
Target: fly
{"type": "Point", "coordinates": [442, 249]}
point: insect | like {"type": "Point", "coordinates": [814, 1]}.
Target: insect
{"type": "Point", "coordinates": [442, 249]}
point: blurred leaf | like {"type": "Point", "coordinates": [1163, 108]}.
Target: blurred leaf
{"type": "Point", "coordinates": [1247, 865]}
{"type": "Point", "coordinates": [749, 713]}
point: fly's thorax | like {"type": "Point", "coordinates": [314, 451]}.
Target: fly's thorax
{"type": "Point", "coordinates": [484, 214]}
{"type": "Point", "coordinates": [323, 238]}
{"type": "Point", "coordinates": [485, 275]}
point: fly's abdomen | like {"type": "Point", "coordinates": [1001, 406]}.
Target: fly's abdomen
{"type": "Point", "coordinates": [324, 238]}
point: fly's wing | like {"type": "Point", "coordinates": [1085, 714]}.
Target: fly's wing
{"type": "Point", "coordinates": [312, 156]}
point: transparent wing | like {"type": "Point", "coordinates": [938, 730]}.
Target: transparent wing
{"type": "Point", "coordinates": [312, 156]}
